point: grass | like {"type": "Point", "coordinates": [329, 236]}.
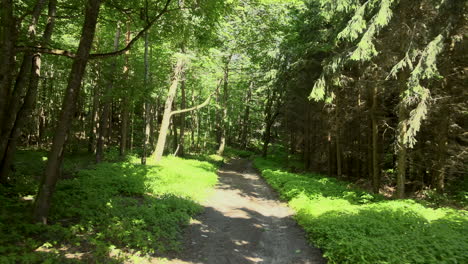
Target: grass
{"type": "Point", "coordinates": [105, 213]}
{"type": "Point", "coordinates": [353, 226]}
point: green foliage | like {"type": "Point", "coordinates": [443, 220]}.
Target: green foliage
{"type": "Point", "coordinates": [353, 226]}
{"type": "Point", "coordinates": [426, 69]}
{"type": "Point", "coordinates": [237, 153]}
{"type": "Point", "coordinates": [357, 32]}
{"type": "Point", "coordinates": [110, 209]}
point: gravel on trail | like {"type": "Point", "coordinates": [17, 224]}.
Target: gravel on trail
{"type": "Point", "coordinates": [244, 222]}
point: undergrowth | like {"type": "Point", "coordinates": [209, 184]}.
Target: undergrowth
{"type": "Point", "coordinates": [104, 213]}
{"type": "Point", "coordinates": [353, 226]}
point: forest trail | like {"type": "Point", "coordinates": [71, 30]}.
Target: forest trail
{"type": "Point", "coordinates": [243, 223]}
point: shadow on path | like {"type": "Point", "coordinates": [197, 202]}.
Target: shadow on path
{"type": "Point", "coordinates": [244, 222]}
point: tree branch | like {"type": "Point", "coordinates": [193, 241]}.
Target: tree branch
{"type": "Point", "coordinates": [205, 103]}
{"type": "Point", "coordinates": [138, 36]}
{"type": "Point", "coordinates": [70, 54]}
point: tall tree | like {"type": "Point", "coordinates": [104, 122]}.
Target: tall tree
{"type": "Point", "coordinates": [51, 172]}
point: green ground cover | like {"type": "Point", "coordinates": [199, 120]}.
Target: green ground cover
{"type": "Point", "coordinates": [353, 226]}
{"type": "Point", "coordinates": [103, 213]}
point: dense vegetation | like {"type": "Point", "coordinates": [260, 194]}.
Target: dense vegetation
{"type": "Point", "coordinates": [353, 226]}
{"type": "Point", "coordinates": [107, 213]}
{"type": "Point", "coordinates": [387, 84]}
{"type": "Point", "coordinates": [94, 93]}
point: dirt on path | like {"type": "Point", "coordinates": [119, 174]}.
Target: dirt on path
{"type": "Point", "coordinates": [243, 223]}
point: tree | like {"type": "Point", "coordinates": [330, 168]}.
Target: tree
{"type": "Point", "coordinates": [51, 173]}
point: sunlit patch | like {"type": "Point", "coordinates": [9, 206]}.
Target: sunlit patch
{"type": "Point", "coordinates": [65, 251]}
{"type": "Point", "coordinates": [254, 259]}
{"type": "Point", "coordinates": [238, 214]}
{"type": "Point", "coordinates": [241, 242]}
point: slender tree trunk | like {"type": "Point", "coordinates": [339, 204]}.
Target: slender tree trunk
{"type": "Point", "coordinates": [401, 151]}
{"type": "Point", "coordinates": [246, 118]}
{"type": "Point", "coordinates": [329, 160]}
{"type": "Point", "coordinates": [104, 130]}
{"type": "Point", "coordinates": [307, 132]}
{"type": "Point", "coordinates": [51, 173]}
{"type": "Point", "coordinates": [132, 126]}
{"type": "Point", "coordinates": [175, 133]}
{"type": "Point", "coordinates": [195, 125]}
{"type": "Point", "coordinates": [269, 120]}
{"type": "Point", "coordinates": [146, 105]}
{"type": "Point", "coordinates": [224, 123]}
{"type": "Point", "coordinates": [441, 139]}
{"type": "Point", "coordinates": [125, 100]}
{"type": "Point", "coordinates": [338, 139]}
{"type": "Point", "coordinates": [375, 141]}
{"type": "Point", "coordinates": [93, 126]}
{"type": "Point", "coordinates": [42, 114]}
{"type": "Point", "coordinates": [181, 150]}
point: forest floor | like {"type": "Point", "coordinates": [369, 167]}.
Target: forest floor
{"type": "Point", "coordinates": [244, 222]}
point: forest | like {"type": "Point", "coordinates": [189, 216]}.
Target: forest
{"type": "Point", "coordinates": [120, 119]}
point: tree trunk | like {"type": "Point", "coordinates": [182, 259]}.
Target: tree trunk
{"type": "Point", "coordinates": [179, 68]}
{"type": "Point", "coordinates": [375, 141]}
{"type": "Point", "coordinates": [104, 130]}
{"type": "Point", "coordinates": [14, 99]}
{"type": "Point", "coordinates": [51, 173]}
{"type": "Point", "coordinates": [338, 139]}
{"type": "Point", "coordinates": [31, 94]}
{"type": "Point", "coordinates": [195, 125]}
{"type": "Point", "coordinates": [124, 125]}
{"type": "Point", "coordinates": [246, 118]}
{"type": "Point", "coordinates": [224, 123]}
{"type": "Point", "coordinates": [93, 126]}
{"type": "Point", "coordinates": [7, 57]}
{"type": "Point", "coordinates": [181, 152]}
{"type": "Point", "coordinates": [269, 120]}
{"type": "Point", "coordinates": [401, 151]}
{"type": "Point", "coordinates": [146, 106]}
{"type": "Point", "coordinates": [441, 139]}
{"type": "Point", "coordinates": [329, 160]}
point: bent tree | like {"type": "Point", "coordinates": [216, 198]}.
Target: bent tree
{"type": "Point", "coordinates": [179, 68]}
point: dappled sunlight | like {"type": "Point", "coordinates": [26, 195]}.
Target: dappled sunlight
{"type": "Point", "coordinates": [243, 222]}
{"type": "Point", "coordinates": [110, 212]}
{"type": "Point", "coordinates": [353, 226]}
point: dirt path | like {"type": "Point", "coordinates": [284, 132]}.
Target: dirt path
{"type": "Point", "coordinates": [245, 223]}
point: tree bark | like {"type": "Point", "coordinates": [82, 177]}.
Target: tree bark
{"type": "Point", "coordinates": [93, 126]}
{"type": "Point", "coordinates": [14, 99]}
{"type": "Point", "coordinates": [104, 130]}
{"type": "Point", "coordinates": [401, 151]}
{"type": "Point", "coordinates": [441, 139]}
{"type": "Point", "coordinates": [224, 123]}
{"type": "Point", "coordinates": [18, 119]}
{"type": "Point", "coordinates": [338, 139]}
{"type": "Point", "coordinates": [329, 160]}
{"type": "Point", "coordinates": [146, 105]}
{"type": "Point", "coordinates": [270, 115]}
{"type": "Point", "coordinates": [178, 69]}
{"type": "Point", "coordinates": [246, 118]}
{"type": "Point", "coordinates": [125, 100]}
{"type": "Point", "coordinates": [375, 141]}
{"type": "Point", "coordinates": [51, 173]}
{"type": "Point", "coordinates": [7, 56]}
{"type": "Point", "coordinates": [180, 147]}
{"type": "Point", "coordinates": [168, 113]}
